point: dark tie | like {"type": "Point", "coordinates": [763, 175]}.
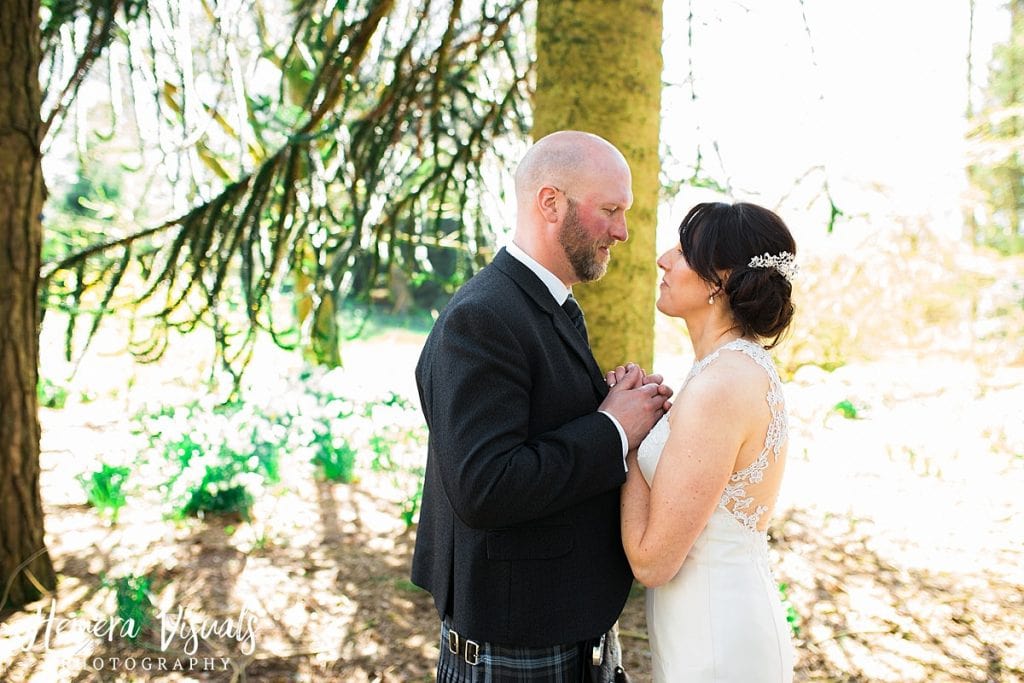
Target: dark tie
{"type": "Point", "coordinates": [575, 313]}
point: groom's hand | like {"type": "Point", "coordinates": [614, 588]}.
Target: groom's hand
{"type": "Point", "coordinates": [635, 404]}
{"type": "Point", "coordinates": [613, 377]}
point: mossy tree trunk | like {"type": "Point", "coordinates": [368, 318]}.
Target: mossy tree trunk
{"type": "Point", "coordinates": [599, 70]}
{"type": "Point", "coordinates": [21, 202]}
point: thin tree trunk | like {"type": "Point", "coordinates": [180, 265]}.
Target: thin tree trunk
{"type": "Point", "coordinates": [1015, 182]}
{"type": "Point", "coordinates": [599, 70]}
{"type": "Point", "coordinates": [21, 202]}
{"type": "Point", "coordinates": [970, 220]}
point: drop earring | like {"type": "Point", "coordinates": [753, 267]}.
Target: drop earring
{"type": "Point", "coordinates": [711, 300]}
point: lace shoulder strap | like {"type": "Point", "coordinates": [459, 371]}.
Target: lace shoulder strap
{"type": "Point", "coordinates": [777, 429]}
{"type": "Point", "coordinates": [699, 366]}
{"type": "Point", "coordinates": [735, 498]}
{"type": "Point", "coordinates": [755, 351]}
{"type": "Point", "coordinates": [758, 354]}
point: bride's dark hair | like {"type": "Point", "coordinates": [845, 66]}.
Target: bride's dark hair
{"type": "Point", "coordinates": [719, 240]}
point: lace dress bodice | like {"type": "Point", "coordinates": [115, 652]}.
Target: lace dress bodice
{"type": "Point", "coordinates": [747, 509]}
{"type": "Point", "coordinates": [720, 619]}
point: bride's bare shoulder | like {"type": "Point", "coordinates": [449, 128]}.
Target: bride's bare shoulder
{"type": "Point", "coordinates": [733, 382]}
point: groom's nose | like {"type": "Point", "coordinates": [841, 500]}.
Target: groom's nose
{"type": "Point", "coordinates": [619, 230]}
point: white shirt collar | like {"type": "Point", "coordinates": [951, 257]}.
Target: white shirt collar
{"type": "Point", "coordinates": [557, 288]}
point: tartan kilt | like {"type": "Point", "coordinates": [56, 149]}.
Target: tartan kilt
{"type": "Point", "coordinates": [513, 664]}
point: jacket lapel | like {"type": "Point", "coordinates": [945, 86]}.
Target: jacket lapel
{"type": "Point", "coordinates": [536, 290]}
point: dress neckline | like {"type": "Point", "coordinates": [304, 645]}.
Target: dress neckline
{"type": "Point", "coordinates": [722, 346]}
{"type": "Point", "coordinates": [735, 344]}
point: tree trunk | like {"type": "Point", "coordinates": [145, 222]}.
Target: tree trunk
{"type": "Point", "coordinates": [21, 202]}
{"type": "Point", "coordinates": [1015, 181]}
{"type": "Point", "coordinates": [599, 70]}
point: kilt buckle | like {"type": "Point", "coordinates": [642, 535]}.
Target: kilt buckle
{"type": "Point", "coordinates": [597, 653]}
{"type": "Point", "coordinates": [471, 651]}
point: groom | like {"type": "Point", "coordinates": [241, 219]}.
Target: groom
{"type": "Point", "coordinates": [518, 538]}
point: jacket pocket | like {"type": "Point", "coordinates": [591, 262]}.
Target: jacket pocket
{"type": "Point", "coordinates": [530, 543]}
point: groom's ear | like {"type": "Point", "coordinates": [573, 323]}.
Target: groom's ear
{"type": "Point", "coordinates": [547, 204]}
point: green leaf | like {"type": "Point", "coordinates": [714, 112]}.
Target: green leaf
{"type": "Point", "coordinates": [846, 409]}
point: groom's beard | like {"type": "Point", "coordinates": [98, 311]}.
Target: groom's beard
{"type": "Point", "coordinates": [583, 253]}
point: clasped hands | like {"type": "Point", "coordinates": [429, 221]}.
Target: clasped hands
{"type": "Point", "coordinates": [637, 400]}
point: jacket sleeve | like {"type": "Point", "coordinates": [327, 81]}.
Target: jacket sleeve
{"type": "Point", "coordinates": [494, 473]}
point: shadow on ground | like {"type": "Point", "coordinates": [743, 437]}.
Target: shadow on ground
{"type": "Point", "coordinates": [329, 584]}
{"type": "Point", "coordinates": [865, 618]}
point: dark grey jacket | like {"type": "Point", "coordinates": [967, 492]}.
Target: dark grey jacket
{"type": "Point", "coordinates": [518, 539]}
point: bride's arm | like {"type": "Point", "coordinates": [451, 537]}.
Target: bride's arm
{"type": "Point", "coordinates": [660, 524]}
{"type": "Point", "coordinates": [635, 504]}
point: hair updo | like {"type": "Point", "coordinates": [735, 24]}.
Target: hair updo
{"type": "Point", "coordinates": [718, 240]}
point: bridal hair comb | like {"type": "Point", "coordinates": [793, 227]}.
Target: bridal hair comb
{"type": "Point", "coordinates": [784, 262]}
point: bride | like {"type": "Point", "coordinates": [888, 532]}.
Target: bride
{"type": "Point", "coordinates": [701, 488]}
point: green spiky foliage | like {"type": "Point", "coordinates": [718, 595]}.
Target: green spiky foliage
{"type": "Point", "coordinates": [996, 171]}
{"type": "Point", "coordinates": [318, 151]}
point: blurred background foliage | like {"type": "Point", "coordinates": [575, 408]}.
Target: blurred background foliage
{"type": "Point", "coordinates": [290, 167]}
{"type": "Point", "coordinates": [250, 166]}
{"type": "Point", "coordinates": [995, 210]}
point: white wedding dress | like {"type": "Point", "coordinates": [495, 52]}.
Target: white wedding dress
{"type": "Point", "coordinates": [721, 618]}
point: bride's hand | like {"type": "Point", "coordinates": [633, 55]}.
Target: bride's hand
{"type": "Point", "coordinates": [614, 377]}
{"type": "Point", "coordinates": [663, 389]}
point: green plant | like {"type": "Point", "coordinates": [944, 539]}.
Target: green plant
{"type": "Point", "coordinates": [265, 458]}
{"type": "Point", "coordinates": [104, 489]}
{"type": "Point", "coordinates": [386, 439]}
{"type": "Point", "coordinates": [394, 400]}
{"type": "Point", "coordinates": [381, 446]}
{"type": "Point", "coordinates": [219, 459]}
{"type": "Point", "coordinates": [182, 451]}
{"type": "Point", "coordinates": [217, 495]}
{"type": "Point", "coordinates": [135, 605]}
{"type": "Point", "coordinates": [212, 460]}
{"type": "Point", "coordinates": [792, 617]}
{"type": "Point", "coordinates": [51, 395]}
{"type": "Point", "coordinates": [397, 442]}
{"type": "Point", "coordinates": [407, 586]}
{"type": "Point", "coordinates": [228, 477]}
{"type": "Point", "coordinates": [847, 409]}
{"type": "Point", "coordinates": [333, 462]}
{"type": "Point", "coordinates": [411, 504]}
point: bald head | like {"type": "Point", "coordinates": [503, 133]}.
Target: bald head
{"type": "Point", "coordinates": [565, 159]}
{"type": "Point", "coordinates": [572, 192]}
